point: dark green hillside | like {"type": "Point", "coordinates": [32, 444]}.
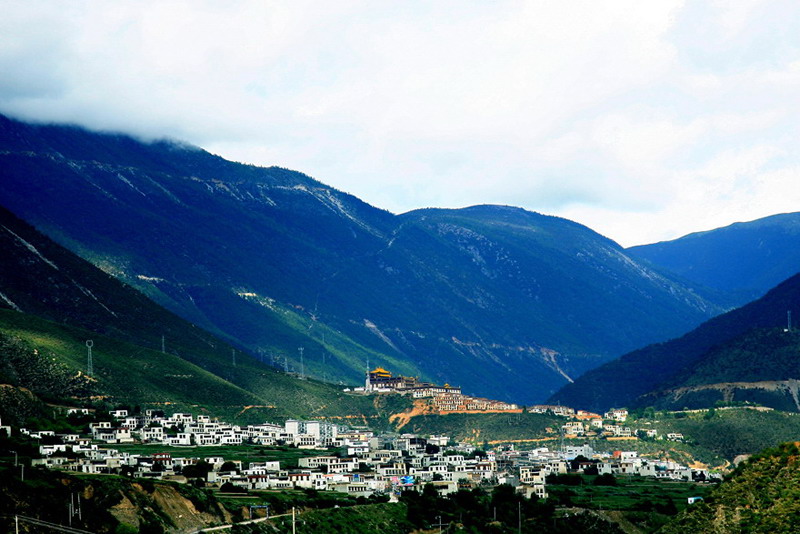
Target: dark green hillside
{"type": "Point", "coordinates": [41, 278]}
{"type": "Point", "coordinates": [762, 496]}
{"type": "Point", "coordinates": [761, 366]}
{"type": "Point", "coordinates": [505, 303]}
{"type": "Point", "coordinates": [744, 259]}
{"type": "Point", "coordinates": [757, 355]}
{"type": "Point", "coordinates": [700, 355]}
{"type": "Point", "coordinates": [386, 518]}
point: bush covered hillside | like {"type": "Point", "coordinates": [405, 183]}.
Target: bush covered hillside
{"type": "Point", "coordinates": [761, 496]}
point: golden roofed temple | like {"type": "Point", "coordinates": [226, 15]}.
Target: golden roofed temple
{"type": "Point", "coordinates": [380, 373]}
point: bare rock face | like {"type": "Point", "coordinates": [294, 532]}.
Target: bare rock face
{"type": "Point", "coordinates": [741, 458]}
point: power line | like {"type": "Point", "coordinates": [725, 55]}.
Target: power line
{"type": "Point", "coordinates": [54, 526]}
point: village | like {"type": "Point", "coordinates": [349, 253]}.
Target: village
{"type": "Point", "coordinates": [358, 462]}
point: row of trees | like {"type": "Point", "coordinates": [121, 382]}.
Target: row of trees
{"type": "Point", "coordinates": [498, 511]}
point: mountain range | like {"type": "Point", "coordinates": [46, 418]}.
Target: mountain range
{"type": "Point", "coordinates": [504, 302]}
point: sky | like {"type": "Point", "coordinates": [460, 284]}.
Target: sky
{"type": "Point", "coordinates": [642, 120]}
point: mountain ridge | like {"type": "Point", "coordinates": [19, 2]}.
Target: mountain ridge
{"type": "Point", "coordinates": [485, 297]}
{"type": "Point", "coordinates": [745, 259]}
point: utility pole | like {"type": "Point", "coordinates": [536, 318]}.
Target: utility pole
{"type": "Point", "coordinates": [163, 344]}
{"type": "Point", "coordinates": [89, 366]}
{"type": "Point", "coordinates": [294, 529]}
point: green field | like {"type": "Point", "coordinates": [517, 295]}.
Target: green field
{"type": "Point", "coordinates": [385, 518]}
{"type": "Point", "coordinates": [645, 502]}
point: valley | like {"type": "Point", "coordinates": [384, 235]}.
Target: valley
{"type": "Point", "coordinates": [229, 306]}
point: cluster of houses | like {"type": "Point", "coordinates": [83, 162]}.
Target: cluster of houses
{"type": "Point", "coordinates": [363, 463]}
{"type": "Point", "coordinates": [458, 402]}
{"type": "Point", "coordinates": [585, 424]}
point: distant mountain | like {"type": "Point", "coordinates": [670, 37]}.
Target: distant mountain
{"type": "Point", "coordinates": [741, 355]}
{"type": "Point", "coordinates": [744, 259]}
{"type": "Point", "coordinates": [506, 303]}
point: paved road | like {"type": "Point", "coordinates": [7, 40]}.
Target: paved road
{"type": "Point", "coordinates": [226, 527]}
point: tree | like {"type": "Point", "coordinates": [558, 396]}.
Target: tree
{"type": "Point", "coordinates": [198, 470]}
{"type": "Point", "coordinates": [230, 488]}
{"type": "Point", "coordinates": [575, 463]}
{"type": "Point", "coordinates": [229, 466]}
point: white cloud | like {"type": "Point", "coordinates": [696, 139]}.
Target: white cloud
{"type": "Point", "coordinates": [642, 119]}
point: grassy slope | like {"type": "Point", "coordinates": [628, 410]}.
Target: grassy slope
{"type": "Point", "coordinates": [132, 374]}
{"type": "Point", "coordinates": [486, 427]}
{"type": "Point", "coordinates": [737, 431]}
